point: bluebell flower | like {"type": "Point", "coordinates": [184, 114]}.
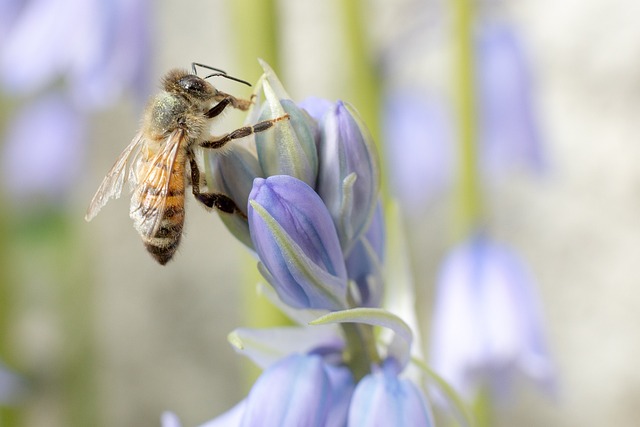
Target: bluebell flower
{"type": "Point", "coordinates": [290, 147]}
{"type": "Point", "coordinates": [349, 172]}
{"type": "Point", "coordinates": [44, 148]}
{"type": "Point", "coordinates": [297, 243]}
{"type": "Point", "coordinates": [383, 399]}
{"type": "Point", "coordinates": [364, 263]}
{"type": "Point", "coordinates": [487, 327]}
{"type": "Point", "coordinates": [509, 135]}
{"type": "Point", "coordinates": [419, 148]}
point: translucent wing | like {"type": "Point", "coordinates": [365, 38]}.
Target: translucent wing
{"type": "Point", "coordinates": [111, 186]}
{"type": "Point", "coordinates": [153, 178]}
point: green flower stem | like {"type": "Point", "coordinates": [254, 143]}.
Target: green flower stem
{"type": "Point", "coordinates": [256, 35]}
{"type": "Point", "coordinates": [360, 352]}
{"type": "Point", "coordinates": [469, 209]}
{"type": "Point", "coordinates": [483, 409]}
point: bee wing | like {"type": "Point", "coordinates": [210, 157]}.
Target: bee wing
{"type": "Point", "coordinates": [150, 196]}
{"type": "Point", "coordinates": [111, 186]}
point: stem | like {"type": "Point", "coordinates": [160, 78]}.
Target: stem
{"type": "Point", "coordinates": [468, 192]}
{"type": "Point", "coordinates": [361, 351]}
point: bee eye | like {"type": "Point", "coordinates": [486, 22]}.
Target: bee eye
{"type": "Point", "coordinates": [193, 84]}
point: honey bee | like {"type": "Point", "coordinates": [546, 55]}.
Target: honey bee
{"type": "Point", "coordinates": [175, 123]}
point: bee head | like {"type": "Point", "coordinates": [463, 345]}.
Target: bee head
{"type": "Point", "coordinates": [184, 83]}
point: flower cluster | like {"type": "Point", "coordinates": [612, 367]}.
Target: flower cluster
{"type": "Point", "coordinates": [310, 191]}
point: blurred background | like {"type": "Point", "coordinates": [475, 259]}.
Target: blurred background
{"type": "Point", "coordinates": [98, 334]}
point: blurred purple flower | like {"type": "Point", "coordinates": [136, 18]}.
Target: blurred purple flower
{"type": "Point", "coordinates": [297, 243]}
{"type": "Point", "coordinates": [487, 327]}
{"type": "Point", "coordinates": [419, 147]}
{"type": "Point", "coordinates": [509, 135]}
{"type": "Point", "coordinates": [43, 149]}
{"type": "Point", "coordinates": [383, 399]}
{"type": "Point", "coordinates": [11, 386]}
{"type": "Point", "coordinates": [101, 48]}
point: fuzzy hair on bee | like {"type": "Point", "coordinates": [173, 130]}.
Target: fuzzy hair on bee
{"type": "Point", "coordinates": [175, 124]}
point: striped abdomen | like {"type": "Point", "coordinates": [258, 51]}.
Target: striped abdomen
{"type": "Point", "coordinates": [162, 243]}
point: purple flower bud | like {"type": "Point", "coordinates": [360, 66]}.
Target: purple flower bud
{"type": "Point", "coordinates": [383, 399]}
{"type": "Point", "coordinates": [300, 390]}
{"type": "Point", "coordinates": [364, 263]}
{"type": "Point", "coordinates": [233, 173]}
{"type": "Point", "coordinates": [290, 147]}
{"type": "Point", "coordinates": [487, 326]}
{"type": "Point", "coordinates": [349, 173]}
{"type": "Point", "coordinates": [296, 241]}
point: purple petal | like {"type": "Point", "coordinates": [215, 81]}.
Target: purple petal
{"type": "Point", "coordinates": [44, 149]}
{"type": "Point", "coordinates": [297, 243]}
{"type": "Point", "coordinates": [346, 151]}
{"type": "Point", "coordinates": [508, 133]}
{"type": "Point", "coordinates": [487, 324]}
{"type": "Point", "coordinates": [294, 392]}
{"type": "Point", "coordinates": [383, 399]}
{"type": "Point", "coordinates": [419, 145]}
{"type": "Point", "coordinates": [316, 107]}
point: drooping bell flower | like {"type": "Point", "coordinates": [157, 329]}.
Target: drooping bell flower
{"type": "Point", "coordinates": [487, 327]}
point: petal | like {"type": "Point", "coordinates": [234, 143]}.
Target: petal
{"type": "Point", "coordinates": [418, 147]}
{"type": "Point", "coordinates": [294, 392]}
{"type": "Point", "coordinates": [232, 174]}
{"type": "Point", "coordinates": [383, 399]}
{"type": "Point", "coordinates": [289, 148]}
{"type": "Point", "coordinates": [265, 346]}
{"type": "Point", "coordinates": [296, 241]}
{"type": "Point", "coordinates": [231, 418]}
{"type": "Point", "coordinates": [509, 133]}
{"type": "Point", "coordinates": [487, 324]}
{"type": "Point", "coordinates": [349, 173]}
{"type": "Point", "coordinates": [44, 149]}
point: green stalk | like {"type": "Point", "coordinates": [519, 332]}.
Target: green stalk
{"type": "Point", "coordinates": [360, 352]}
{"type": "Point", "coordinates": [469, 209]}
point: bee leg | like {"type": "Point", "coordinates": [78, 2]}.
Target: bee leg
{"type": "Point", "coordinates": [238, 103]}
{"type": "Point", "coordinates": [242, 132]}
{"type": "Point", "coordinates": [210, 200]}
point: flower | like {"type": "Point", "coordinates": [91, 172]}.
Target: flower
{"type": "Point", "coordinates": [383, 399]}
{"type": "Point", "coordinates": [296, 241]}
{"type": "Point", "coordinates": [508, 132]}
{"type": "Point", "coordinates": [43, 149]}
{"type": "Point", "coordinates": [349, 172]}
{"type": "Point", "coordinates": [419, 135]}
{"type": "Point", "coordinates": [487, 326]}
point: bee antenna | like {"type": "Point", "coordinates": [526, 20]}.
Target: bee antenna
{"type": "Point", "coordinates": [226, 76]}
{"type": "Point", "coordinates": [208, 67]}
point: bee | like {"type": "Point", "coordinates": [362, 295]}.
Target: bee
{"type": "Point", "coordinates": [174, 125]}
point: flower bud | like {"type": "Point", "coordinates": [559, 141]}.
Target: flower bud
{"type": "Point", "coordinates": [290, 147]}
{"type": "Point", "coordinates": [383, 399]}
{"type": "Point", "coordinates": [296, 241]}
{"type": "Point", "coordinates": [349, 173]}
{"type": "Point", "coordinates": [232, 174]}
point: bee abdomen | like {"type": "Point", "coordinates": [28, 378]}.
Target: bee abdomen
{"type": "Point", "coordinates": [165, 242]}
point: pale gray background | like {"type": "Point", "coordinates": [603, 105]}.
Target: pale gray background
{"type": "Point", "coordinates": [162, 330]}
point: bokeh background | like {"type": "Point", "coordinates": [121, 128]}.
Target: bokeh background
{"type": "Point", "coordinates": [101, 335]}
